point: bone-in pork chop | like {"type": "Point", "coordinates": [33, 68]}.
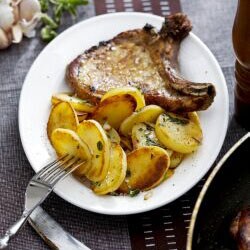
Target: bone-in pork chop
{"type": "Point", "coordinates": [145, 59]}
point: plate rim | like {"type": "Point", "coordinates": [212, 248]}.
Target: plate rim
{"type": "Point", "coordinates": [152, 206]}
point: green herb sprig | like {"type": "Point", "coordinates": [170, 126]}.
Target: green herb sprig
{"type": "Point", "coordinates": [59, 7]}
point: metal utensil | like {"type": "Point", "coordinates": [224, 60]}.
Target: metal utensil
{"type": "Point", "coordinates": [39, 187]}
{"type": "Point", "coordinates": [52, 233]}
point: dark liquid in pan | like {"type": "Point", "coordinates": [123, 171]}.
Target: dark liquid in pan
{"type": "Point", "coordinates": [228, 193]}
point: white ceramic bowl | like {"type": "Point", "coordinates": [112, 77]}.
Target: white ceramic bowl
{"type": "Point", "coordinates": [46, 76]}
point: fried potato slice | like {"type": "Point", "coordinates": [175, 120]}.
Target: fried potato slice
{"type": "Point", "coordinates": [168, 174]}
{"type": "Point", "coordinates": [113, 136]}
{"type": "Point", "coordinates": [178, 133]}
{"type": "Point", "coordinates": [66, 141]}
{"type": "Point", "coordinates": [176, 159]}
{"type": "Point", "coordinates": [116, 173]}
{"type": "Point", "coordinates": [92, 133]}
{"type": "Point", "coordinates": [140, 101]}
{"type": "Point", "coordinates": [147, 114]}
{"type": "Point", "coordinates": [115, 110]}
{"type": "Point", "coordinates": [77, 103]}
{"type": "Point", "coordinates": [143, 134]}
{"type": "Point", "coordinates": [146, 168]}
{"type": "Point", "coordinates": [193, 116]}
{"type": "Point", "coordinates": [62, 115]}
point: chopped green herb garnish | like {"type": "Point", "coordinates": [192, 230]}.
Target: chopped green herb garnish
{"type": "Point", "coordinates": [176, 120]}
{"type": "Point", "coordinates": [140, 129]}
{"type": "Point", "coordinates": [114, 193]}
{"type": "Point", "coordinates": [133, 192]}
{"type": "Point", "coordinates": [99, 145]}
{"type": "Point", "coordinates": [95, 183]}
{"type": "Point", "coordinates": [151, 142]}
{"type": "Point", "coordinates": [150, 128]}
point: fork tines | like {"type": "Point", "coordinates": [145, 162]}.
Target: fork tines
{"type": "Point", "coordinates": [58, 169]}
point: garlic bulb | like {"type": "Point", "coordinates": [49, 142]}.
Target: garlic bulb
{"type": "Point", "coordinates": [18, 18]}
{"type": "Point", "coordinates": [4, 39]}
{"type": "Point", "coordinates": [17, 33]}
{"type": "Point", "coordinates": [6, 15]}
{"type": "Point", "coordinates": [28, 27]}
{"type": "Point", "coordinates": [15, 10]}
{"type": "Point", "coordinates": [28, 8]}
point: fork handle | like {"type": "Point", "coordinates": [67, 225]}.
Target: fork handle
{"type": "Point", "coordinates": [13, 230]}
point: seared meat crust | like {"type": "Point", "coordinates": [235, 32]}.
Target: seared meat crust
{"type": "Point", "coordinates": [142, 58]}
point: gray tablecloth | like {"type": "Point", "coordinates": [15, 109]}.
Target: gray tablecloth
{"type": "Point", "coordinates": [212, 21]}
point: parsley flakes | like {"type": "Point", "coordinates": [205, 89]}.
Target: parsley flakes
{"type": "Point", "coordinates": [133, 192]}
{"type": "Point", "coordinates": [176, 120]}
{"type": "Point", "coordinates": [99, 145]}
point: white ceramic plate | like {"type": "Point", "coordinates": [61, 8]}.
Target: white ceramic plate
{"type": "Point", "coordinates": [46, 77]}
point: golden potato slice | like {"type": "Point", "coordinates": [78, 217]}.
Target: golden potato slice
{"type": "Point", "coordinates": [178, 133]}
{"type": "Point", "coordinates": [175, 159]}
{"type": "Point", "coordinates": [92, 133]}
{"type": "Point", "coordinates": [77, 103]}
{"type": "Point", "coordinates": [140, 101]}
{"type": "Point", "coordinates": [143, 134]}
{"type": "Point", "coordinates": [146, 168]}
{"type": "Point", "coordinates": [66, 141]}
{"type": "Point", "coordinates": [113, 136]}
{"type": "Point", "coordinates": [168, 174]}
{"type": "Point", "coordinates": [147, 114]}
{"type": "Point", "coordinates": [116, 173]}
{"type": "Point", "coordinates": [193, 116]}
{"type": "Point", "coordinates": [115, 110]}
{"type": "Point", "coordinates": [62, 115]}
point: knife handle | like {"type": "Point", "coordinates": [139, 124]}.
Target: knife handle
{"type": "Point", "coordinates": [53, 233]}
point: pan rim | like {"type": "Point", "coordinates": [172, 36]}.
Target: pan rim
{"type": "Point", "coordinates": [207, 185]}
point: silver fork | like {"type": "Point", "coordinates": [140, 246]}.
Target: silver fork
{"type": "Point", "coordinates": [39, 187]}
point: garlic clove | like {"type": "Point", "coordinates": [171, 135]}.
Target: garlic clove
{"type": "Point", "coordinates": [7, 16]}
{"type": "Point", "coordinates": [28, 8]}
{"type": "Point", "coordinates": [4, 39]}
{"type": "Point", "coordinates": [28, 28]}
{"type": "Point", "coordinates": [15, 10]}
{"type": "Point", "coordinates": [9, 35]}
{"type": "Point", "coordinates": [17, 33]}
